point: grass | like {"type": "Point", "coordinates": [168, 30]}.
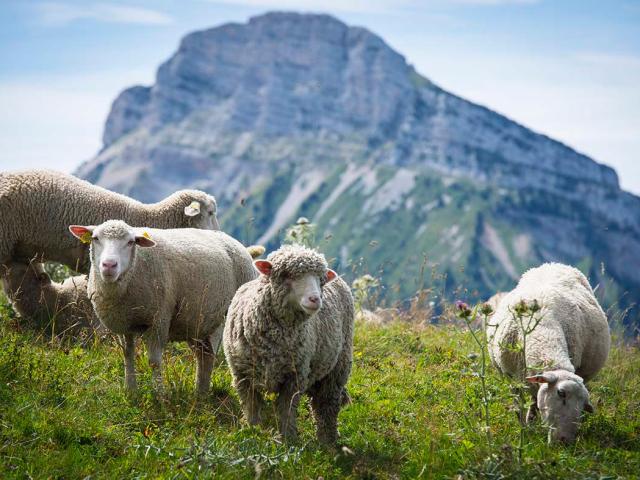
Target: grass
{"type": "Point", "coordinates": [416, 413]}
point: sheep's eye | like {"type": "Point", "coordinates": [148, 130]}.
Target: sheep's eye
{"type": "Point", "coordinates": [211, 213]}
{"type": "Point", "coordinates": [130, 243]}
{"type": "Point", "coordinates": [95, 239]}
{"type": "Point", "coordinates": [562, 394]}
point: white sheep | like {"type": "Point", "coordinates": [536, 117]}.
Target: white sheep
{"type": "Point", "coordinates": [569, 344]}
{"type": "Point", "coordinates": [36, 206]}
{"type": "Point", "coordinates": [290, 332]}
{"type": "Point", "coordinates": [62, 307]}
{"type": "Point", "coordinates": [178, 291]}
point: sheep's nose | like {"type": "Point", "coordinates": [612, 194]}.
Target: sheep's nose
{"type": "Point", "coordinates": [109, 264]}
{"type": "Point", "coordinates": [314, 299]}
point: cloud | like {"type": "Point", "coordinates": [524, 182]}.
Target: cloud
{"type": "Point", "coordinates": [60, 14]}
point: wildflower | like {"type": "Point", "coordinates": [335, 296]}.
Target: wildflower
{"type": "Point", "coordinates": [534, 306]}
{"type": "Point", "coordinates": [463, 309]}
{"type": "Point", "coordinates": [486, 309]}
{"type": "Point", "coordinates": [521, 308]}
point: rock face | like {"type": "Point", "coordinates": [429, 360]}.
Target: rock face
{"type": "Point", "coordinates": [295, 114]}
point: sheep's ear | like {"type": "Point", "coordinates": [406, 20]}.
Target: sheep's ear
{"type": "Point", "coordinates": [588, 407]}
{"type": "Point", "coordinates": [192, 209]}
{"type": "Point", "coordinates": [144, 240]}
{"type": "Point", "coordinates": [546, 377]}
{"type": "Point", "coordinates": [263, 266]}
{"type": "Point", "coordinates": [331, 275]}
{"type": "Point", "coordinates": [82, 233]}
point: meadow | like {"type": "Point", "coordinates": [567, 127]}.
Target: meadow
{"type": "Point", "coordinates": [416, 412]}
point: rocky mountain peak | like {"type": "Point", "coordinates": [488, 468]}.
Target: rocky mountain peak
{"type": "Point", "coordinates": [297, 114]}
{"type": "Point", "coordinates": [279, 73]}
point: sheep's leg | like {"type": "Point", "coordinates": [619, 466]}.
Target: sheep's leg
{"type": "Point", "coordinates": [154, 354]}
{"type": "Point", "coordinates": [250, 400]}
{"type": "Point", "coordinates": [130, 362]}
{"type": "Point", "coordinates": [203, 350]}
{"type": "Point", "coordinates": [327, 397]}
{"type": "Point", "coordinates": [287, 406]}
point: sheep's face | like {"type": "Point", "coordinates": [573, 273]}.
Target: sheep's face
{"type": "Point", "coordinates": [562, 397]}
{"type": "Point", "coordinates": [302, 292]}
{"type": "Point", "coordinates": [113, 246]}
{"type": "Point", "coordinates": [202, 210]}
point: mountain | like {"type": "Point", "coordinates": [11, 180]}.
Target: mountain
{"type": "Point", "coordinates": [294, 114]}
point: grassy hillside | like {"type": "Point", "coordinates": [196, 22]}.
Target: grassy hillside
{"type": "Point", "coordinates": [454, 236]}
{"type": "Point", "coordinates": [415, 414]}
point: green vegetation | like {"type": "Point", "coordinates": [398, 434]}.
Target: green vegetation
{"type": "Point", "coordinates": [450, 237]}
{"type": "Point", "coordinates": [417, 412]}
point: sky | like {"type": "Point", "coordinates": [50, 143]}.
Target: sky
{"type": "Point", "coordinates": [567, 68]}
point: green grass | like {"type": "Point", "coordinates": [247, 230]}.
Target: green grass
{"type": "Point", "coordinates": [415, 413]}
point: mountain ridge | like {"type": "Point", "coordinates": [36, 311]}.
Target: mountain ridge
{"type": "Point", "coordinates": [276, 115]}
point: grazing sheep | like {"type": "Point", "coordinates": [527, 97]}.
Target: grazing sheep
{"type": "Point", "coordinates": [178, 291]}
{"type": "Point", "coordinates": [63, 307]}
{"type": "Point", "coordinates": [290, 332]}
{"type": "Point", "coordinates": [36, 206]}
{"type": "Point", "coordinates": [570, 344]}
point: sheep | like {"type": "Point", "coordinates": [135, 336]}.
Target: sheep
{"type": "Point", "coordinates": [62, 307]}
{"type": "Point", "coordinates": [569, 344]}
{"type": "Point", "coordinates": [177, 291]}
{"type": "Point", "coordinates": [36, 206]}
{"type": "Point", "coordinates": [290, 332]}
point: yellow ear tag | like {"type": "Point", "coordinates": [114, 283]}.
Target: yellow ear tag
{"type": "Point", "coordinates": [146, 235]}
{"type": "Point", "coordinates": [86, 237]}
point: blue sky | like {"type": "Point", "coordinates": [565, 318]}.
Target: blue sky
{"type": "Point", "coordinates": [566, 68]}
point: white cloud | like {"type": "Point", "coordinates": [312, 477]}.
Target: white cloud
{"type": "Point", "coordinates": [60, 14]}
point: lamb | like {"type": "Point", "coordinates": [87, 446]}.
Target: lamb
{"type": "Point", "coordinates": [290, 332]}
{"type": "Point", "coordinates": [178, 291]}
{"type": "Point", "coordinates": [36, 206]}
{"type": "Point", "coordinates": [62, 307]}
{"type": "Point", "coordinates": [569, 344]}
